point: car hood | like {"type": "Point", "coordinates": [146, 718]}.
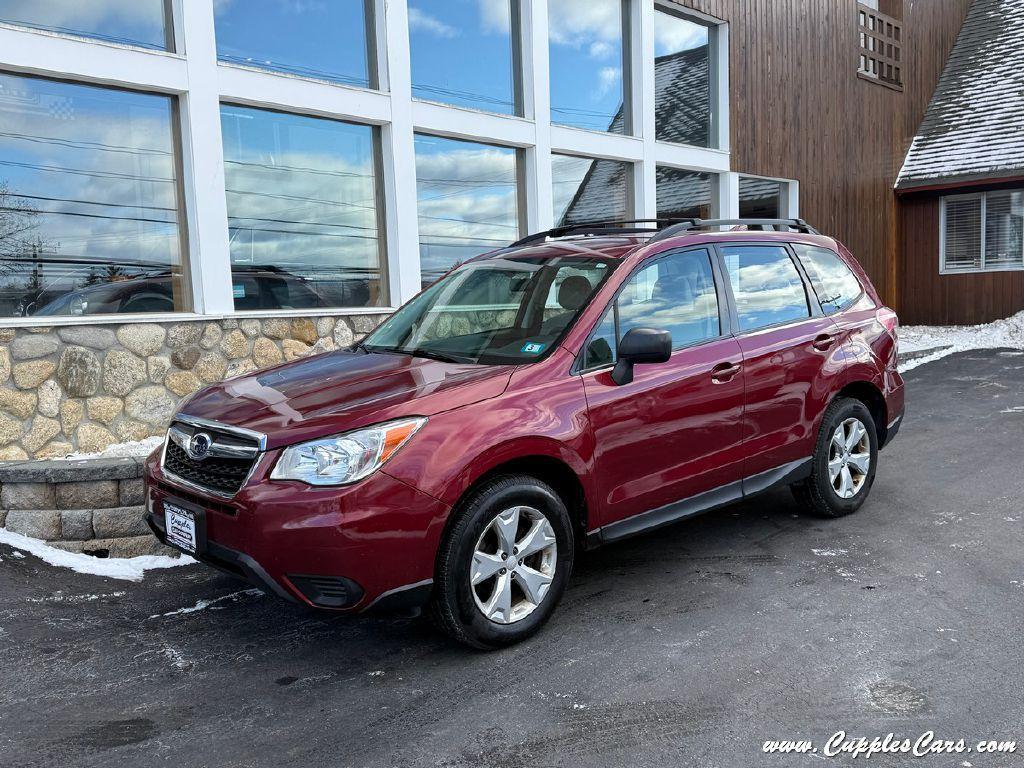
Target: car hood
{"type": "Point", "coordinates": [338, 391]}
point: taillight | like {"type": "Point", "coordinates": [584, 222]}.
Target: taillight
{"type": "Point", "coordinates": [890, 321]}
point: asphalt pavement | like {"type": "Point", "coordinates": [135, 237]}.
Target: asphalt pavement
{"type": "Point", "coordinates": [689, 646]}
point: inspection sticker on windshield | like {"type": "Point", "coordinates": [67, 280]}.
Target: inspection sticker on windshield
{"type": "Point", "coordinates": [533, 347]}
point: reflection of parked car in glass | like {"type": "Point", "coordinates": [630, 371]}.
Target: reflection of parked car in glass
{"type": "Point", "coordinates": [253, 288]}
{"type": "Point", "coordinates": [575, 388]}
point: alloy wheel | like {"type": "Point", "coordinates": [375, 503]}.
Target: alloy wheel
{"type": "Point", "coordinates": [513, 564]}
{"type": "Point", "coordinates": [849, 458]}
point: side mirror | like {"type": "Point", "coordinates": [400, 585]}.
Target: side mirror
{"type": "Point", "coordinates": [641, 345]}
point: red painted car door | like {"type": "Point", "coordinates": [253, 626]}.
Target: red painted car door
{"type": "Point", "coordinates": [787, 347]}
{"type": "Point", "coordinates": [674, 431]}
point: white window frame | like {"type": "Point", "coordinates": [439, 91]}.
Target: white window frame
{"type": "Point", "coordinates": [983, 197]}
{"type": "Point", "coordinates": [200, 83]}
{"type": "Point", "coordinates": [789, 194]}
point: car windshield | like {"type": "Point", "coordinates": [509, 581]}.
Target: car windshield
{"type": "Point", "coordinates": [504, 310]}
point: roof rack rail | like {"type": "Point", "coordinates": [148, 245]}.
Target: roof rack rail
{"type": "Point", "coordinates": [597, 228]}
{"type": "Point", "coordinates": [777, 225]}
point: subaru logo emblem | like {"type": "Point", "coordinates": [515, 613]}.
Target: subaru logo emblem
{"type": "Point", "coordinates": [199, 446]}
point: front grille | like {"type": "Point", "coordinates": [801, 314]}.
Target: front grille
{"type": "Point", "coordinates": [221, 474]}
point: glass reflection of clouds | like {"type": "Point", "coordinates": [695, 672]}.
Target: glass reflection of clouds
{"type": "Point", "coordinates": [310, 38]}
{"type": "Point", "coordinates": [130, 22]}
{"type": "Point", "coordinates": [833, 281]}
{"type": "Point", "coordinates": [302, 210]}
{"type": "Point", "coordinates": [467, 201]}
{"type": "Point", "coordinates": [586, 63]}
{"type": "Point", "coordinates": [766, 284]}
{"type": "Point", "coordinates": [676, 294]}
{"type": "Point", "coordinates": [462, 53]}
{"type": "Point", "coordinates": [682, 74]}
{"type": "Point", "coordinates": [88, 197]}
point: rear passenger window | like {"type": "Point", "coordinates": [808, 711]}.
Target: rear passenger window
{"type": "Point", "coordinates": [674, 294]}
{"type": "Point", "coordinates": [834, 282]}
{"type": "Point", "coordinates": [766, 285]}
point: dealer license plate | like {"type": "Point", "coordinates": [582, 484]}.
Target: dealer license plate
{"type": "Point", "coordinates": [181, 527]}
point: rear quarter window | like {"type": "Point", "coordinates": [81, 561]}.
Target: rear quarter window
{"type": "Point", "coordinates": [834, 283]}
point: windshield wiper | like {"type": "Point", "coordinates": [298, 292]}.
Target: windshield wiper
{"type": "Point", "coordinates": [429, 354]}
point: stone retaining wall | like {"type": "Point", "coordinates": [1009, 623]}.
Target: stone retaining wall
{"type": "Point", "coordinates": [94, 506]}
{"type": "Point", "coordinates": [81, 388]}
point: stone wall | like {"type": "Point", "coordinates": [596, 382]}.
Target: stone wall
{"type": "Point", "coordinates": [81, 388]}
{"type": "Point", "coordinates": [95, 506]}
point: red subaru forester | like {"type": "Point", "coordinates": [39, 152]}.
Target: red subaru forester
{"type": "Point", "coordinates": [579, 386]}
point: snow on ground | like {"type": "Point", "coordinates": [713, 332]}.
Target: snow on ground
{"type": "Point", "coordinates": [202, 605]}
{"type": "Point", "coordinates": [125, 568]}
{"type": "Point", "coordinates": [141, 448]}
{"type": "Point", "coordinates": [960, 338]}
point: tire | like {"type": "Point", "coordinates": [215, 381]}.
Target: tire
{"type": "Point", "coordinates": [471, 548]}
{"type": "Point", "coordinates": [824, 494]}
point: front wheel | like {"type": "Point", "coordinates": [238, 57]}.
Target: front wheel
{"type": "Point", "coordinates": [504, 563]}
{"type": "Point", "coordinates": [843, 466]}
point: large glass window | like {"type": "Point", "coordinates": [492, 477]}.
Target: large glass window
{"type": "Point", "coordinates": [586, 190]}
{"type": "Point", "coordinates": [766, 285]}
{"type": "Point", "coordinates": [142, 23]}
{"type": "Point", "coordinates": [468, 201]}
{"type": "Point", "coordinates": [323, 40]}
{"type": "Point", "coordinates": [983, 231]}
{"type": "Point", "coordinates": [682, 80]}
{"type": "Point", "coordinates": [89, 203]}
{"type": "Point", "coordinates": [302, 211]}
{"type": "Point", "coordinates": [587, 64]}
{"type": "Point", "coordinates": [505, 310]}
{"type": "Point", "coordinates": [674, 294]}
{"type": "Point", "coordinates": [465, 52]}
{"type": "Point", "coordinates": [683, 194]}
{"type": "Point", "coordinates": [759, 198]}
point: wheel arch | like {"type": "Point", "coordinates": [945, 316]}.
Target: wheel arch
{"type": "Point", "coordinates": [550, 466]}
{"type": "Point", "coordinates": [873, 399]}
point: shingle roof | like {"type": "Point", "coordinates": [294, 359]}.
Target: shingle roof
{"type": "Point", "coordinates": [974, 126]}
{"type": "Point", "coordinates": [682, 89]}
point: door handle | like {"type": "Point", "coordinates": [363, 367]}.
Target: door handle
{"type": "Point", "coordinates": [724, 372]}
{"type": "Point", "coordinates": [824, 342]}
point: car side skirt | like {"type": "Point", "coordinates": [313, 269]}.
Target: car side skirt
{"type": "Point", "coordinates": [786, 474]}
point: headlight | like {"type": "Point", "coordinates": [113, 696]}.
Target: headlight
{"type": "Point", "coordinates": [345, 458]}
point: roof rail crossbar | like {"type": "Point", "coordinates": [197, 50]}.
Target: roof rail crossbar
{"type": "Point", "coordinates": [777, 225]}
{"type": "Point", "coordinates": [597, 228]}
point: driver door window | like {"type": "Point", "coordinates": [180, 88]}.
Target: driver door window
{"type": "Point", "coordinates": [675, 294]}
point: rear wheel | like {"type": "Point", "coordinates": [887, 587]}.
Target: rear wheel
{"type": "Point", "coordinates": [843, 466]}
{"type": "Point", "coordinates": [504, 563]}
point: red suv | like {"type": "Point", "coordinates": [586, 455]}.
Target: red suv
{"type": "Point", "coordinates": [579, 386]}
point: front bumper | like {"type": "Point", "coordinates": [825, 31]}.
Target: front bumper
{"type": "Point", "coordinates": [371, 544]}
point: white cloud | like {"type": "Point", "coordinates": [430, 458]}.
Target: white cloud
{"type": "Point", "coordinates": [420, 21]}
{"type": "Point", "coordinates": [608, 78]}
{"type": "Point", "coordinates": [599, 49]}
{"type": "Point", "coordinates": [494, 16]}
{"type": "Point", "coordinates": [91, 15]}
{"type": "Point", "coordinates": [675, 34]}
{"type": "Point", "coordinates": [579, 22]}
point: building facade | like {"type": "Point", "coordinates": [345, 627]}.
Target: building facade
{"type": "Point", "coordinates": [191, 189]}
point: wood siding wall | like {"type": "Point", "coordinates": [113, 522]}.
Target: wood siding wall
{"type": "Point", "coordinates": [798, 110]}
{"type": "Point", "coordinates": [931, 298]}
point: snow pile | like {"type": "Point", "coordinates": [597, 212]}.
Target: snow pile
{"type": "Point", "coordinates": [127, 569]}
{"type": "Point", "coordinates": [960, 338]}
{"type": "Point", "coordinates": [140, 448]}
